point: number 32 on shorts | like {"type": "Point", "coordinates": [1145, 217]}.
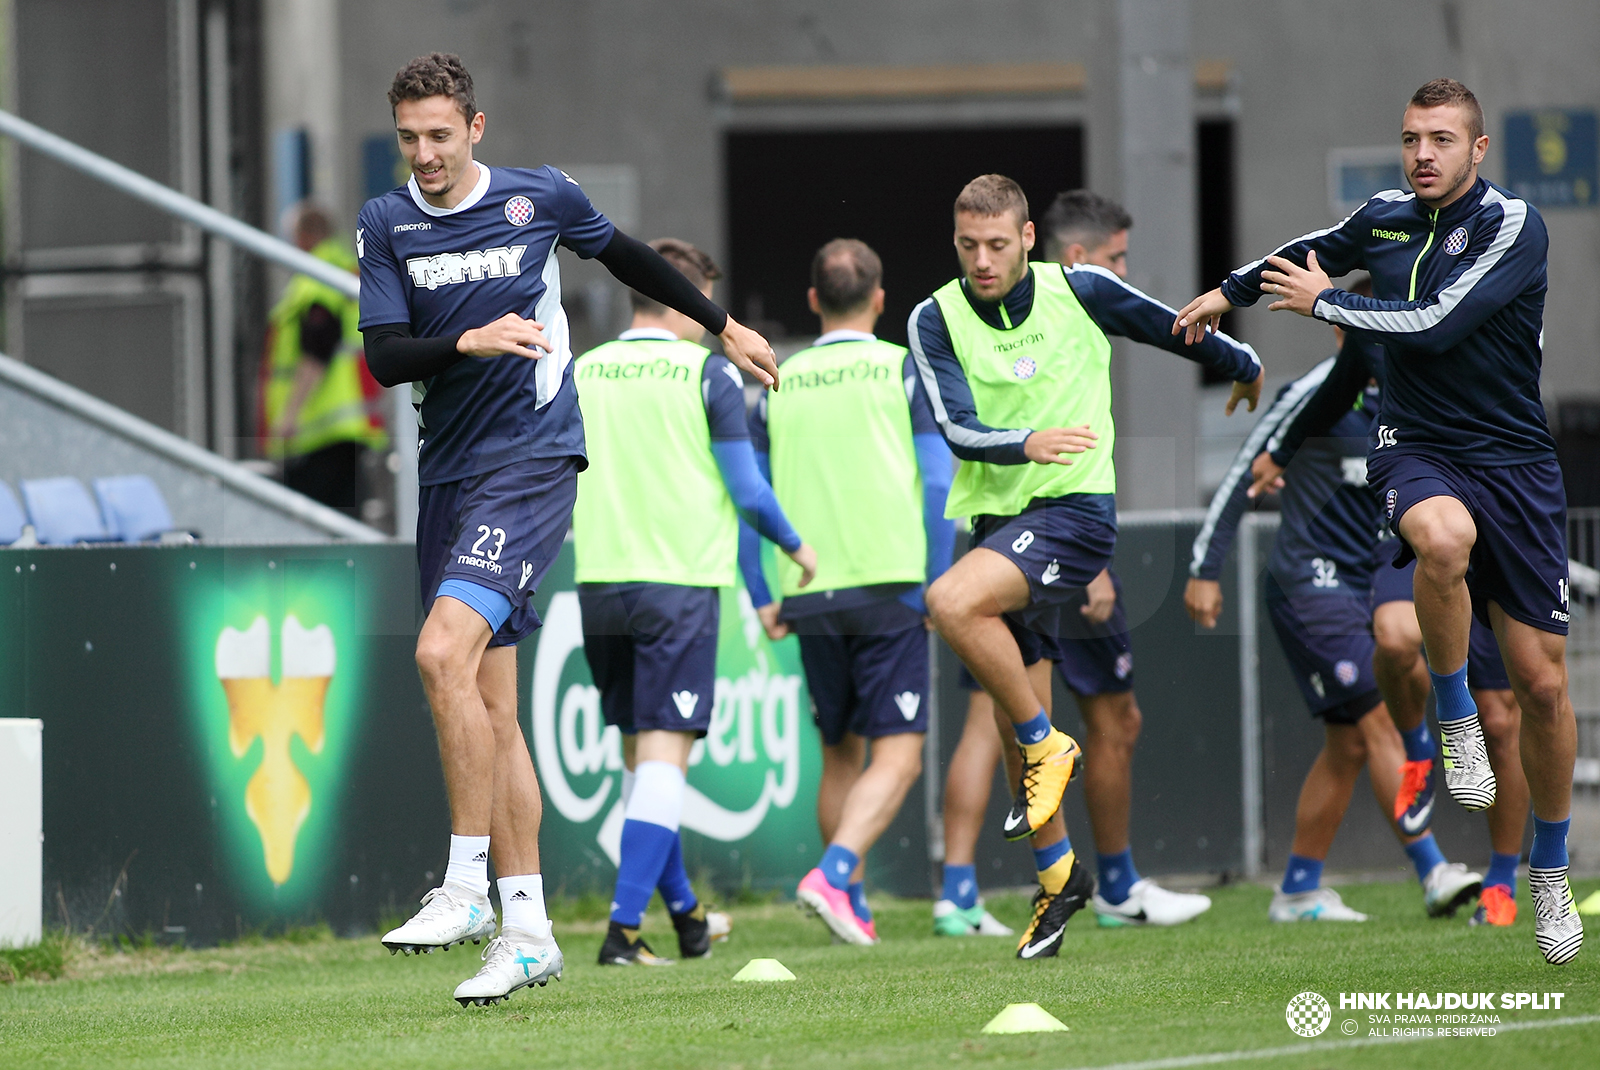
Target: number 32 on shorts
{"type": "Point", "coordinates": [485, 533]}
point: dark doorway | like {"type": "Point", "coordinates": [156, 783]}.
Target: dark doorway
{"type": "Point", "coordinates": [788, 193]}
{"type": "Point", "coordinates": [1215, 198]}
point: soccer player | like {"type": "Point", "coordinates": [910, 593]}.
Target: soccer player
{"type": "Point", "coordinates": [1318, 595]}
{"type": "Point", "coordinates": [656, 537]}
{"type": "Point", "coordinates": [1003, 348]}
{"type": "Point", "coordinates": [1401, 669]}
{"type": "Point", "coordinates": [461, 295]}
{"type": "Point", "coordinates": [858, 462]}
{"type": "Point", "coordinates": [1095, 660]}
{"type": "Point", "coordinates": [1464, 457]}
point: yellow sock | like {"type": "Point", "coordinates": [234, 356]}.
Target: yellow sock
{"type": "Point", "coordinates": [1054, 877]}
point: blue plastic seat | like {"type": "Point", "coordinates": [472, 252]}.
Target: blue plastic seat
{"type": "Point", "coordinates": [62, 512]}
{"type": "Point", "coordinates": [11, 516]}
{"type": "Point", "coordinates": [134, 508]}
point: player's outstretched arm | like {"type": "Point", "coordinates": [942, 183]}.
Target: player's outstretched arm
{"type": "Point", "coordinates": [1054, 445]}
{"type": "Point", "coordinates": [1202, 314]}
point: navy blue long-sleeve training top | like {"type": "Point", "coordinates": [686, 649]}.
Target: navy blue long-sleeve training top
{"type": "Point", "coordinates": [1458, 304]}
{"type": "Point", "coordinates": [1115, 307]}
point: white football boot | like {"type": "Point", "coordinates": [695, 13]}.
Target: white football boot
{"type": "Point", "coordinates": [951, 920]}
{"type": "Point", "coordinates": [1150, 904]}
{"type": "Point", "coordinates": [450, 914]}
{"type": "Point", "coordinates": [1447, 886]}
{"type": "Point", "coordinates": [1556, 927]}
{"type": "Point", "coordinates": [1467, 773]}
{"type": "Point", "coordinates": [1319, 904]}
{"type": "Point", "coordinates": [512, 960]}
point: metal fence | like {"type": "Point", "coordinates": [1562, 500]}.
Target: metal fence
{"type": "Point", "coordinates": [1583, 645]}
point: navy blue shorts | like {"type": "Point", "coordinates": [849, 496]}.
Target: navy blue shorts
{"type": "Point", "coordinates": [1485, 669]}
{"type": "Point", "coordinates": [1060, 544]}
{"type": "Point", "coordinates": [865, 678]}
{"type": "Point", "coordinates": [501, 529]}
{"type": "Point", "coordinates": [1326, 633]}
{"type": "Point", "coordinates": [1520, 558]}
{"type": "Point", "coordinates": [652, 650]}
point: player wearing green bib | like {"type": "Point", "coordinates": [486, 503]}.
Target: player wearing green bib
{"type": "Point", "coordinates": [1007, 348]}
{"type": "Point", "coordinates": [656, 533]}
{"type": "Point", "coordinates": [858, 463]}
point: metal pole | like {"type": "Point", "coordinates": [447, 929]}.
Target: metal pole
{"type": "Point", "coordinates": [932, 773]}
{"type": "Point", "coordinates": [403, 434]}
{"type": "Point", "coordinates": [1249, 701]}
{"type": "Point", "coordinates": [224, 402]}
{"type": "Point", "coordinates": [175, 203]}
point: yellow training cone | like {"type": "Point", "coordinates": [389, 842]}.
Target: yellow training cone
{"type": "Point", "coordinates": [1590, 905]}
{"type": "Point", "coordinates": [764, 970]}
{"type": "Point", "coordinates": [1025, 1018]}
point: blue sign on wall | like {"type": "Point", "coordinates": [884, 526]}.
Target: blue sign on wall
{"type": "Point", "coordinates": [1551, 158]}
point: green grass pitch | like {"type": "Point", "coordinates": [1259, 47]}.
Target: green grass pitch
{"type": "Point", "coordinates": [1218, 985]}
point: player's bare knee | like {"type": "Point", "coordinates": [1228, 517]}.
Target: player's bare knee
{"type": "Point", "coordinates": [1443, 544]}
{"type": "Point", "coordinates": [1543, 693]}
{"type": "Point", "coordinates": [944, 601]}
{"type": "Point", "coordinates": [439, 659]}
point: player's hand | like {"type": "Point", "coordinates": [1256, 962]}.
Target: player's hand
{"type": "Point", "coordinates": [1102, 598]}
{"type": "Point", "coordinates": [1048, 446]}
{"type": "Point", "coordinates": [1200, 315]}
{"type": "Point", "coordinates": [806, 558]}
{"type": "Point", "coordinates": [1203, 600]}
{"type": "Point", "coordinates": [1249, 393]}
{"type": "Point", "coordinates": [510, 335]}
{"type": "Point", "coordinates": [751, 352]}
{"type": "Point", "coordinates": [1265, 474]}
{"type": "Point", "coordinates": [775, 628]}
{"type": "Point", "coordinates": [1295, 287]}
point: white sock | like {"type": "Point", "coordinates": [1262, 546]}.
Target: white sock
{"type": "Point", "coordinates": [657, 795]}
{"type": "Point", "coordinates": [628, 777]}
{"type": "Point", "coordinates": [469, 863]}
{"type": "Point", "coordinates": [522, 905]}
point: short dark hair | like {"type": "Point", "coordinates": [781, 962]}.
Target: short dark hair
{"type": "Point", "coordinates": [1082, 217]}
{"type": "Point", "coordinates": [989, 195]}
{"type": "Point", "coordinates": [844, 273]}
{"type": "Point", "coordinates": [438, 74]}
{"type": "Point", "coordinates": [693, 264]}
{"type": "Point", "coordinates": [1443, 91]}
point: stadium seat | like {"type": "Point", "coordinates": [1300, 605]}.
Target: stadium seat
{"type": "Point", "coordinates": [62, 512]}
{"type": "Point", "coordinates": [11, 517]}
{"type": "Point", "coordinates": [134, 508]}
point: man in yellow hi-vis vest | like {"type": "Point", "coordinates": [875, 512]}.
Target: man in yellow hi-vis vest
{"type": "Point", "coordinates": [315, 419]}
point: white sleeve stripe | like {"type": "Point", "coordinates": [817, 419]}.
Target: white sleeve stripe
{"type": "Point", "coordinates": [1384, 195]}
{"type": "Point", "coordinates": [961, 436]}
{"type": "Point", "coordinates": [1114, 277]}
{"type": "Point", "coordinates": [1269, 428]}
{"type": "Point", "coordinates": [1411, 321]}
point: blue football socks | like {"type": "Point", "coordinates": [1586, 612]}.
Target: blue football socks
{"type": "Point", "coordinates": [837, 864]}
{"type": "Point", "coordinates": [645, 848]}
{"type": "Point", "coordinates": [1301, 875]}
{"type": "Point", "coordinates": [674, 883]}
{"type": "Point", "coordinates": [858, 900]}
{"type": "Point", "coordinates": [1425, 854]}
{"type": "Point", "coordinates": [1502, 871]}
{"type": "Point", "coordinates": [1045, 857]}
{"type": "Point", "coordinates": [1419, 743]}
{"type": "Point", "coordinates": [1549, 849]}
{"type": "Point", "coordinates": [1117, 875]}
{"type": "Point", "coordinates": [1029, 732]}
{"type": "Point", "coordinates": [961, 886]}
{"type": "Point", "coordinates": [1453, 700]}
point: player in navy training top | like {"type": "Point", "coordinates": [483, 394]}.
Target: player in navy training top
{"type": "Point", "coordinates": [461, 295]}
{"type": "Point", "coordinates": [1463, 458]}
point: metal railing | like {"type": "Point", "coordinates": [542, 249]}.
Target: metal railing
{"type": "Point", "coordinates": [245, 237]}
{"type": "Point", "coordinates": [1583, 643]}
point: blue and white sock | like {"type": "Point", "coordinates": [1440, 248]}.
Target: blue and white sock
{"type": "Point", "coordinates": [1419, 743]}
{"type": "Point", "coordinates": [837, 864]}
{"type": "Point", "coordinates": [469, 863]}
{"type": "Point", "coordinates": [1117, 875]}
{"type": "Point", "coordinates": [1452, 700]}
{"type": "Point", "coordinates": [961, 886]}
{"type": "Point", "coordinates": [1502, 871]}
{"type": "Point", "coordinates": [1302, 874]}
{"type": "Point", "coordinates": [1549, 849]}
{"type": "Point", "coordinates": [1045, 857]}
{"type": "Point", "coordinates": [858, 900]}
{"type": "Point", "coordinates": [649, 829]}
{"type": "Point", "coordinates": [1029, 732]}
{"type": "Point", "coordinates": [1425, 854]}
{"type": "Point", "coordinates": [674, 885]}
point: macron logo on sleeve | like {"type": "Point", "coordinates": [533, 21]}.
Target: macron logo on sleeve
{"type": "Point", "coordinates": [448, 269]}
